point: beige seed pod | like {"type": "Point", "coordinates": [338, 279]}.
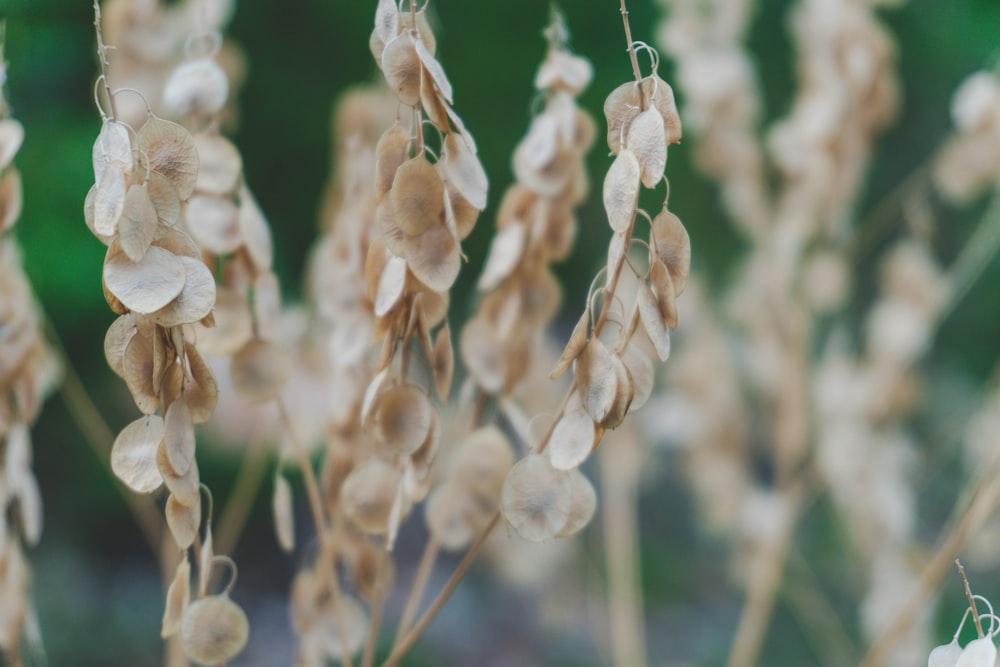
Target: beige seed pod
{"type": "Point", "coordinates": [233, 324]}
{"type": "Point", "coordinates": [433, 68]}
{"type": "Point", "coordinates": [659, 94]}
{"type": "Point", "coordinates": [115, 340]}
{"type": "Point", "coordinates": [465, 171]}
{"type": "Point", "coordinates": [620, 108]}
{"type": "Point", "coordinates": [573, 438]}
{"type": "Point", "coordinates": [424, 457]}
{"type": "Point", "coordinates": [505, 255]}
{"type": "Point", "coordinates": [195, 300]}
{"type": "Point", "coordinates": [482, 462]}
{"type": "Point", "coordinates": [433, 257]}
{"type": "Point", "coordinates": [401, 67]}
{"type": "Point", "coordinates": [137, 223]}
{"type": "Point", "coordinates": [574, 347]}
{"type": "Point", "coordinates": [10, 199]}
{"type": "Point", "coordinates": [647, 139]}
{"type": "Point", "coordinates": [11, 137]}
{"type": "Point", "coordinates": [283, 512]}
{"type": "Point", "coordinates": [133, 455]}
{"type": "Point", "coordinates": [165, 201]}
{"type": "Point", "coordinates": [183, 521]}
{"type": "Point", "coordinates": [368, 494]}
{"type": "Point", "coordinates": [390, 153]}
{"type": "Point", "coordinates": [624, 391]}
{"type": "Point", "coordinates": [198, 87]}
{"type": "Point", "coordinates": [178, 439]}
{"type": "Point", "coordinates": [460, 214]}
{"type": "Point", "coordinates": [221, 167]}
{"type": "Point", "coordinates": [649, 314]}
{"type": "Point", "coordinates": [443, 362]}
{"type": "Point", "coordinates": [201, 391]}
{"type": "Point", "coordinates": [178, 597]}
{"type": "Point", "coordinates": [582, 506]}
{"type": "Point", "coordinates": [621, 190]}
{"type": "Point", "coordinates": [417, 196]}
{"type": "Point", "coordinates": [147, 285]}
{"type": "Point", "coordinates": [214, 223]}
{"type": "Point", "coordinates": [450, 516]}
{"type": "Point", "coordinates": [483, 354]}
{"type": "Point", "coordinates": [255, 232]}
{"type": "Point", "coordinates": [112, 150]}
{"type": "Point", "coordinates": [178, 243]}
{"type": "Point", "coordinates": [214, 630]}
{"type": "Point", "coordinates": [89, 213]}
{"type": "Point", "coordinates": [673, 247]}
{"type": "Point", "coordinates": [433, 103]}
{"type": "Point", "coordinates": [371, 393]}
{"type": "Point", "coordinates": [537, 498]}
{"type": "Point", "coordinates": [666, 295]}
{"type": "Point", "coordinates": [109, 201]}
{"type": "Point", "coordinates": [595, 379]}
{"type": "Point", "coordinates": [564, 71]}
{"type": "Point", "coordinates": [186, 488]}
{"type": "Point", "coordinates": [260, 370]}
{"type": "Point", "coordinates": [402, 419]}
{"type": "Point", "coordinates": [423, 28]}
{"type": "Point", "coordinates": [171, 152]}
{"type": "Point", "coordinates": [137, 365]}
{"type": "Point", "coordinates": [640, 370]}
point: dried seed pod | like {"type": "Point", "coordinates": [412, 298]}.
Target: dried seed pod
{"type": "Point", "coordinates": [401, 67]}
{"type": "Point", "coordinates": [443, 362]}
{"type": "Point", "coordinates": [978, 653]}
{"type": "Point", "coordinates": [198, 87]}
{"type": "Point", "coordinates": [137, 366]}
{"type": "Point", "coordinates": [109, 201]}
{"type": "Point", "coordinates": [201, 391]}
{"type": "Point", "coordinates": [573, 438]}
{"type": "Point", "coordinates": [147, 285]}
{"type": "Point", "coordinates": [666, 294]}
{"type": "Point", "coordinates": [402, 419]}
{"type": "Point", "coordinates": [417, 196]}
{"type": "Point", "coordinates": [178, 439]}
{"type": "Point", "coordinates": [574, 347]}
{"type": "Point", "coordinates": [183, 521]}
{"type": "Point", "coordinates": [390, 153]}
{"type": "Point", "coordinates": [621, 190]}
{"type": "Point", "coordinates": [482, 462]}
{"type": "Point", "coordinates": [186, 488]}
{"type": "Point", "coordinates": [673, 247]}
{"type": "Point", "coordinates": [434, 69]}
{"type": "Point", "coordinates": [465, 171]}
{"type": "Point", "coordinates": [595, 379]}
{"type": "Point", "coordinates": [484, 354]}
{"type": "Point", "coordinates": [233, 324]}
{"type": "Point", "coordinates": [221, 168]}
{"type": "Point", "coordinates": [450, 517]}
{"type": "Point", "coordinates": [195, 300]}
{"type": "Point", "coordinates": [624, 391]}
{"type": "Point", "coordinates": [260, 370]}
{"type": "Point", "coordinates": [641, 372]}
{"type": "Point", "coordinates": [178, 597]}
{"type": "Point", "coordinates": [646, 138]}
{"type": "Point", "coordinates": [620, 108]}
{"type": "Point", "coordinates": [171, 152]}
{"type": "Point", "coordinates": [368, 494]}
{"type": "Point", "coordinates": [433, 257]}
{"type": "Point", "coordinates": [166, 202]}
{"type": "Point", "coordinates": [652, 322]}
{"type": "Point", "coordinates": [214, 223]}
{"type": "Point", "coordinates": [583, 505]}
{"type": "Point", "coordinates": [214, 630]}
{"type": "Point", "coordinates": [133, 455]}
{"type": "Point", "coordinates": [537, 498]}
{"type": "Point", "coordinates": [112, 150]}
{"type": "Point", "coordinates": [115, 341]}
{"type": "Point", "coordinates": [284, 516]}
{"type": "Point", "coordinates": [505, 255]}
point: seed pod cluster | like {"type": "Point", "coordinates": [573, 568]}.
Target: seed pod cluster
{"type": "Point", "coordinates": [27, 373]}
{"type": "Point", "coordinates": [545, 495]}
{"type": "Point", "coordinates": [536, 226]}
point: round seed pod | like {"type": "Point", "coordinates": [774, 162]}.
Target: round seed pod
{"type": "Point", "coordinates": [259, 370]}
{"type": "Point", "coordinates": [196, 87]}
{"type": "Point", "coordinates": [537, 498]}
{"type": "Point", "coordinates": [171, 153]}
{"type": "Point", "coordinates": [582, 506]}
{"type": "Point", "coordinates": [483, 461]}
{"type": "Point", "coordinates": [978, 653]}
{"type": "Point", "coordinates": [403, 419]}
{"type": "Point", "coordinates": [417, 196]}
{"type": "Point", "coordinates": [449, 516]}
{"type": "Point", "coordinates": [401, 67]}
{"type": "Point", "coordinates": [946, 655]}
{"type": "Point", "coordinates": [368, 494]}
{"type": "Point", "coordinates": [133, 456]}
{"type": "Point", "coordinates": [572, 440]}
{"type": "Point", "coordinates": [221, 166]}
{"type": "Point", "coordinates": [214, 630]}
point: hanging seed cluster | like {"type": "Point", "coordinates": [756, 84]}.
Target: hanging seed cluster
{"type": "Point", "coordinates": [27, 373]}
{"type": "Point", "coordinates": [545, 495]}
{"type": "Point", "coordinates": [536, 226]}
{"type": "Point", "coordinates": [156, 279]}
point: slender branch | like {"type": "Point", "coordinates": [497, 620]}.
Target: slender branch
{"type": "Point", "coordinates": [102, 56]}
{"type": "Point", "coordinates": [631, 48]}
{"type": "Point", "coordinates": [470, 556]}
{"type": "Point", "coordinates": [972, 600]}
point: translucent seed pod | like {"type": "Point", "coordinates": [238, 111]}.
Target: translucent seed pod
{"type": "Point", "coordinates": [978, 653]}
{"type": "Point", "coordinates": [214, 630]}
{"type": "Point", "coordinates": [196, 87]}
{"type": "Point", "coordinates": [537, 498]}
{"type": "Point", "coordinates": [367, 496]}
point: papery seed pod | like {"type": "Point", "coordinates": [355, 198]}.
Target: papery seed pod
{"type": "Point", "coordinates": [624, 391]}
{"type": "Point", "coordinates": [417, 196]}
{"type": "Point", "coordinates": [673, 247]}
{"type": "Point", "coordinates": [178, 438]}
{"type": "Point", "coordinates": [166, 202]}
{"type": "Point", "coordinates": [147, 285]}
{"type": "Point", "coordinates": [390, 285]}
{"type": "Point", "coordinates": [138, 371]}
{"type": "Point", "coordinates": [214, 630]}
{"type": "Point", "coordinates": [641, 372]}
{"type": "Point", "coordinates": [449, 516]}
{"type": "Point", "coordinates": [946, 655]}
{"type": "Point", "coordinates": [401, 67]}
{"type": "Point", "coordinates": [109, 201]}
{"type": "Point", "coordinates": [214, 222]}
{"type": "Point", "coordinates": [260, 371]}
{"type": "Point", "coordinates": [582, 506]}
{"type": "Point", "coordinates": [978, 653]}
{"type": "Point", "coordinates": [647, 140]}
{"type": "Point", "coordinates": [367, 496]}
{"type": "Point", "coordinates": [505, 254]}
{"type": "Point", "coordinates": [282, 510]}
{"type": "Point", "coordinates": [656, 329]}
{"type": "Point", "coordinates": [433, 257]}
{"type": "Point", "coordinates": [465, 171]}
{"type": "Point", "coordinates": [402, 419]}
{"type": "Point", "coordinates": [196, 299]}
{"type": "Point", "coordinates": [572, 440]}
{"type": "Point", "coordinates": [221, 167]}
{"type": "Point", "coordinates": [196, 87]}
{"type": "Point", "coordinates": [137, 222]}
{"type": "Point", "coordinates": [537, 498]}
{"type": "Point", "coordinates": [574, 347]}
{"type": "Point", "coordinates": [482, 462]}
{"type": "Point", "coordinates": [170, 151]}
{"type": "Point", "coordinates": [201, 392]}
{"type": "Point", "coordinates": [178, 597]}
{"type": "Point", "coordinates": [183, 521]}
{"type": "Point", "coordinates": [187, 487]}
{"type": "Point", "coordinates": [621, 190]}
{"type": "Point", "coordinates": [112, 150]}
{"type": "Point", "coordinates": [115, 341]}
{"type": "Point", "coordinates": [595, 379]}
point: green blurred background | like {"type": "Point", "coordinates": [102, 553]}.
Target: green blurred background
{"type": "Point", "coordinates": [97, 587]}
